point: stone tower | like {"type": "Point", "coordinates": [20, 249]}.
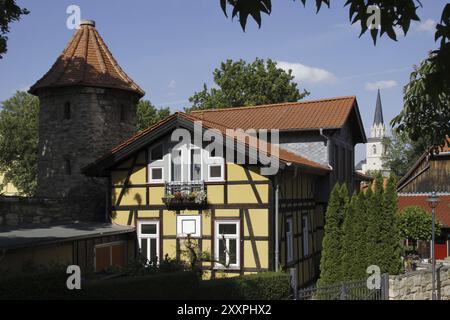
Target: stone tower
{"type": "Point", "coordinates": [375, 149]}
{"type": "Point", "coordinates": [87, 106]}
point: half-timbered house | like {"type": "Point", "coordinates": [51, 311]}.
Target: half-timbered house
{"type": "Point", "coordinates": [246, 220]}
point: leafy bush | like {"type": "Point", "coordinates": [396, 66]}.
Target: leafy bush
{"type": "Point", "coordinates": [38, 285]}
{"type": "Point", "coordinates": [160, 286]}
{"type": "Point", "coordinates": [415, 223]}
{"type": "Point", "coordinates": [261, 286]}
{"type": "Point", "coordinates": [164, 286]}
{"type": "Point", "coordinates": [141, 267]}
{"type": "Point", "coordinates": [177, 285]}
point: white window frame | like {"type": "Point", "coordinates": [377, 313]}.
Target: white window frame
{"type": "Point", "coordinates": [213, 179]}
{"type": "Point", "coordinates": [189, 151]}
{"type": "Point", "coordinates": [198, 225]}
{"type": "Point", "coordinates": [182, 150]}
{"type": "Point", "coordinates": [102, 245]}
{"type": "Point", "coordinates": [305, 232]}
{"type": "Point", "coordinates": [151, 180]}
{"type": "Point", "coordinates": [218, 238]}
{"type": "Point", "coordinates": [290, 240]}
{"type": "Point", "coordinates": [149, 236]}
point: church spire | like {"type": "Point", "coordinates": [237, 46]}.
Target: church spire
{"type": "Point", "coordinates": [378, 118]}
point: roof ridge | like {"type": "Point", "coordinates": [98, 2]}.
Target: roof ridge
{"type": "Point", "coordinates": [274, 104]}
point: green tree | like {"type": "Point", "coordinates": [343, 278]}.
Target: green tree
{"type": "Point", "coordinates": [19, 141]}
{"type": "Point", "coordinates": [349, 241]}
{"type": "Point", "coordinates": [373, 203]}
{"type": "Point", "coordinates": [244, 84]}
{"type": "Point", "coordinates": [415, 223]}
{"type": "Point", "coordinates": [402, 152]}
{"type": "Point", "coordinates": [426, 97]}
{"type": "Point", "coordinates": [389, 239]}
{"type": "Point", "coordinates": [147, 114]}
{"type": "Point", "coordinates": [9, 12]}
{"type": "Point", "coordinates": [360, 230]}
{"type": "Point", "coordinates": [331, 261]}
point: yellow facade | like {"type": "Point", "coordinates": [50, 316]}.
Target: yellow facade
{"type": "Point", "coordinates": [233, 199]}
{"type": "Point", "coordinates": [244, 197]}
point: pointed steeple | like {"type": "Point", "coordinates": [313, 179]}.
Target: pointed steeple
{"type": "Point", "coordinates": [378, 118]}
{"type": "Point", "coordinates": [87, 61]}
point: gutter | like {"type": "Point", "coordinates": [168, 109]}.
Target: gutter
{"type": "Point", "coordinates": [277, 251]}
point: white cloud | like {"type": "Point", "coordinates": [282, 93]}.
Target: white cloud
{"type": "Point", "coordinates": [384, 84]}
{"type": "Point", "coordinates": [172, 84]}
{"type": "Point", "coordinates": [428, 25]}
{"type": "Point", "coordinates": [303, 73]}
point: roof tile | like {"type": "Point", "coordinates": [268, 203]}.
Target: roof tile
{"type": "Point", "coordinates": [304, 115]}
{"type": "Point", "coordinates": [87, 61]}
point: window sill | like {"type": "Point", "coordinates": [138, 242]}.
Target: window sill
{"type": "Point", "coordinates": [223, 268]}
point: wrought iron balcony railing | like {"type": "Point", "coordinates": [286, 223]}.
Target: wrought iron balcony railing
{"type": "Point", "coordinates": [174, 187]}
{"type": "Point", "coordinates": [191, 193]}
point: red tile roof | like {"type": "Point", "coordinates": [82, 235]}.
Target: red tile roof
{"type": "Point", "coordinates": [87, 61]}
{"type": "Point", "coordinates": [283, 155]}
{"type": "Point", "coordinates": [442, 210]}
{"type": "Point", "coordinates": [329, 113]}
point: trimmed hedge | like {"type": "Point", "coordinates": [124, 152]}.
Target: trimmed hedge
{"type": "Point", "coordinates": [179, 285]}
{"type": "Point", "coordinates": [36, 286]}
{"type": "Point", "coordinates": [261, 286]}
{"type": "Point", "coordinates": [164, 286]}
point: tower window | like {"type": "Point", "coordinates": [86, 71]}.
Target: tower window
{"type": "Point", "coordinates": [374, 149]}
{"type": "Point", "coordinates": [67, 114]}
{"type": "Point", "coordinates": [123, 114]}
{"type": "Point", "coordinates": [68, 167]}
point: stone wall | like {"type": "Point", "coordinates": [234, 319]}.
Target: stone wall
{"type": "Point", "coordinates": [16, 211]}
{"type": "Point", "coordinates": [77, 125]}
{"type": "Point", "coordinates": [417, 285]}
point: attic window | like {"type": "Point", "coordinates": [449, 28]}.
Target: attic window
{"type": "Point", "coordinates": [67, 110]}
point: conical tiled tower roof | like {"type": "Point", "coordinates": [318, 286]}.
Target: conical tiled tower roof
{"type": "Point", "coordinates": [87, 61]}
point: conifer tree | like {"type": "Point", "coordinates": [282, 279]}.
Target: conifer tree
{"type": "Point", "coordinates": [331, 260]}
{"type": "Point", "coordinates": [389, 237]}
{"type": "Point", "coordinates": [360, 230]}
{"type": "Point", "coordinates": [349, 242]}
{"type": "Point", "coordinates": [372, 227]}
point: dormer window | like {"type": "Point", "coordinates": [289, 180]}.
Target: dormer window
{"type": "Point", "coordinates": [67, 111]}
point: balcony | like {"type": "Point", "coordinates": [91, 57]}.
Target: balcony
{"type": "Point", "coordinates": [184, 195]}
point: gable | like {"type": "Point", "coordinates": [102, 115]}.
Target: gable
{"type": "Point", "coordinates": [146, 137]}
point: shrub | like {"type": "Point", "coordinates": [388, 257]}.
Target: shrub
{"type": "Point", "coordinates": [38, 285]}
{"type": "Point", "coordinates": [261, 286]}
{"type": "Point", "coordinates": [177, 285]}
{"type": "Point", "coordinates": [164, 286]}
{"type": "Point", "coordinates": [160, 286]}
{"type": "Point", "coordinates": [415, 223]}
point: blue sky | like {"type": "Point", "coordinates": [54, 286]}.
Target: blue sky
{"type": "Point", "coordinates": [171, 47]}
